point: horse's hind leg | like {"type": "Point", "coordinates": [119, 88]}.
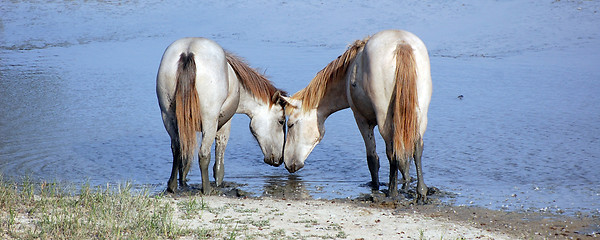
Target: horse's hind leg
{"type": "Point", "coordinates": [220, 144]}
{"type": "Point", "coordinates": [394, 166]}
{"type": "Point", "coordinates": [404, 167]}
{"type": "Point", "coordinates": [366, 130]}
{"type": "Point", "coordinates": [172, 183]}
{"type": "Point", "coordinates": [421, 187]}
{"type": "Point", "coordinates": [184, 169]}
{"type": "Point", "coordinates": [171, 128]}
{"type": "Point", "coordinates": [209, 132]}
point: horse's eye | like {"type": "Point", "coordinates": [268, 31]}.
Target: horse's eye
{"type": "Point", "coordinates": [290, 126]}
{"type": "Point", "coordinates": [281, 122]}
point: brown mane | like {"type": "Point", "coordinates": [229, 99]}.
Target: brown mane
{"type": "Point", "coordinates": [333, 72]}
{"type": "Point", "coordinates": [253, 81]}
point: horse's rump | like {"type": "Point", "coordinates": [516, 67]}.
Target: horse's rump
{"type": "Point", "coordinates": [405, 116]}
{"type": "Point", "coordinates": [187, 106]}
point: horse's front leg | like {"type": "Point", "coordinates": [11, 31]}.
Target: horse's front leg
{"type": "Point", "coordinates": [209, 132]}
{"type": "Point", "coordinates": [220, 145]}
{"type": "Point", "coordinates": [421, 187]}
{"type": "Point", "coordinates": [366, 130]}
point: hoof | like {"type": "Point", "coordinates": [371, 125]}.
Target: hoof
{"type": "Point", "coordinates": [206, 190]}
{"type": "Point", "coordinates": [171, 187]}
{"type": "Point", "coordinates": [183, 184]}
{"type": "Point", "coordinates": [219, 184]}
{"type": "Point", "coordinates": [392, 193]}
{"type": "Point", "coordinates": [420, 201]}
{"type": "Point", "coordinates": [373, 185]}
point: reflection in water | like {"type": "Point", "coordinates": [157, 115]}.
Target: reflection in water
{"type": "Point", "coordinates": [288, 187]}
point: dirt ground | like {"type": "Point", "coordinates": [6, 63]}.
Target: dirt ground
{"type": "Point", "coordinates": [285, 214]}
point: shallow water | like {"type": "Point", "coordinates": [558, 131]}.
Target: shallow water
{"type": "Point", "coordinates": [78, 102]}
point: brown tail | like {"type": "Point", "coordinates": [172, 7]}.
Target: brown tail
{"type": "Point", "coordinates": [406, 125]}
{"type": "Point", "coordinates": [187, 108]}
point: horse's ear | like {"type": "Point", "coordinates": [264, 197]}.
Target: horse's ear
{"type": "Point", "coordinates": [288, 101]}
{"type": "Point", "coordinates": [276, 97]}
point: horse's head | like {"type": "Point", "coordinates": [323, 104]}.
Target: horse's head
{"type": "Point", "coordinates": [305, 131]}
{"type": "Point", "coordinates": [268, 127]}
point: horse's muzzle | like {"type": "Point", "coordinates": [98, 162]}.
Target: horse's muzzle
{"type": "Point", "coordinates": [292, 168]}
{"type": "Point", "coordinates": [273, 161]}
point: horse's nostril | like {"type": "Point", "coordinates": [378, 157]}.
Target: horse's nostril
{"type": "Point", "coordinates": [292, 168]}
{"type": "Point", "coordinates": [273, 161]}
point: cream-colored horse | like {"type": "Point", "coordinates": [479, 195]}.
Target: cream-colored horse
{"type": "Point", "coordinates": [199, 88]}
{"type": "Point", "coordinates": [386, 81]}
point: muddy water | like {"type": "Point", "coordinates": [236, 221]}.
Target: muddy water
{"type": "Point", "coordinates": [78, 104]}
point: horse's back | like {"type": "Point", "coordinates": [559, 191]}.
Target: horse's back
{"type": "Point", "coordinates": [212, 81]}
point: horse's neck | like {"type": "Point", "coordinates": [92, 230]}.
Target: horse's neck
{"type": "Point", "coordinates": [249, 104]}
{"type": "Point", "coordinates": [335, 99]}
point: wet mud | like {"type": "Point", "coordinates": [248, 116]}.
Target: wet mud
{"type": "Point", "coordinates": [228, 189]}
{"type": "Point", "coordinates": [522, 225]}
{"type": "Point", "coordinates": [292, 190]}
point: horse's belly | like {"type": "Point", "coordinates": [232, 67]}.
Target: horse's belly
{"type": "Point", "coordinates": [360, 103]}
{"type": "Point", "coordinates": [227, 111]}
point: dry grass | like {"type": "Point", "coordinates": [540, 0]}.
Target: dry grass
{"type": "Point", "coordinates": [42, 210]}
{"type": "Point", "coordinates": [51, 211]}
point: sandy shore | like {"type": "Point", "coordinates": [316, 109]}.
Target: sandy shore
{"type": "Point", "coordinates": [323, 219]}
{"type": "Point", "coordinates": [51, 211]}
{"type": "Point", "coordinates": [273, 218]}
